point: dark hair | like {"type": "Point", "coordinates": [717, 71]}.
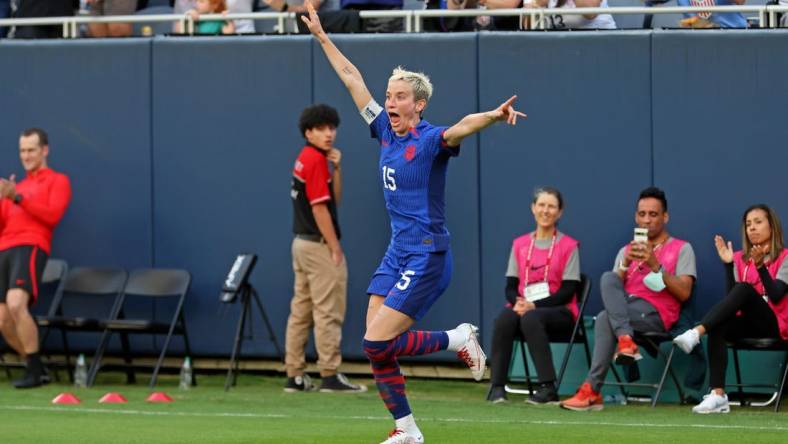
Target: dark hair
{"type": "Point", "coordinates": [317, 115]}
{"type": "Point", "coordinates": [775, 243]}
{"type": "Point", "coordinates": [549, 190]}
{"type": "Point", "coordinates": [655, 193]}
{"type": "Point", "coordinates": [43, 139]}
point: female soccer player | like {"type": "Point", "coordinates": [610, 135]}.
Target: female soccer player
{"type": "Point", "coordinates": [416, 268]}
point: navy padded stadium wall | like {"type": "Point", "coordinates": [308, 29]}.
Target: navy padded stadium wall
{"type": "Point", "coordinates": [180, 150]}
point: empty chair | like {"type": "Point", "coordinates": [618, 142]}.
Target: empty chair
{"type": "Point", "coordinates": [155, 285]}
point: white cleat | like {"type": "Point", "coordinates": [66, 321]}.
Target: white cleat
{"type": "Point", "coordinates": [471, 352]}
{"type": "Point", "coordinates": [687, 340]}
{"type": "Point", "coordinates": [398, 436]}
{"type": "Point", "coordinates": [713, 403]}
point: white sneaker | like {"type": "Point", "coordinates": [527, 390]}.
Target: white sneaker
{"type": "Point", "coordinates": [687, 340]}
{"type": "Point", "coordinates": [398, 436]}
{"type": "Point", "coordinates": [471, 352]}
{"type": "Point", "coordinates": [713, 403]}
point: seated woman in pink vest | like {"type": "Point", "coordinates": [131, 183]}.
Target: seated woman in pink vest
{"type": "Point", "coordinates": [541, 281]}
{"type": "Point", "coordinates": [756, 305]}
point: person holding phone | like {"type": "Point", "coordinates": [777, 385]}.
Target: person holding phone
{"type": "Point", "coordinates": [542, 280]}
{"type": "Point", "coordinates": [649, 282]}
{"type": "Point", "coordinates": [755, 306]}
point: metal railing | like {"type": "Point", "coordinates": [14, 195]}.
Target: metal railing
{"type": "Point", "coordinates": [413, 19]}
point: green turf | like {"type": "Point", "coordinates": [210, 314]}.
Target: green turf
{"type": "Point", "coordinates": [258, 411]}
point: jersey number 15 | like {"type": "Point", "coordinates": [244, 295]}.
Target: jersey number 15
{"type": "Point", "coordinates": [388, 179]}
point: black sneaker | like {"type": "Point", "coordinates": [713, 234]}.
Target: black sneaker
{"type": "Point", "coordinates": [497, 394]}
{"type": "Point", "coordinates": [340, 383]}
{"type": "Point", "coordinates": [31, 380]}
{"type": "Point", "coordinates": [299, 384]}
{"type": "Point", "coordinates": [545, 394]}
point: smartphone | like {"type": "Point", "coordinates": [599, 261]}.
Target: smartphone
{"type": "Point", "coordinates": [641, 235]}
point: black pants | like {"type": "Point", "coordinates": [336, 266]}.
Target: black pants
{"type": "Point", "coordinates": [536, 327]}
{"type": "Point", "coordinates": [757, 320]}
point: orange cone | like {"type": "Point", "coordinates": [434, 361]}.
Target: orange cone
{"type": "Point", "coordinates": [66, 398]}
{"type": "Point", "coordinates": [159, 397]}
{"type": "Point", "coordinates": [113, 398]}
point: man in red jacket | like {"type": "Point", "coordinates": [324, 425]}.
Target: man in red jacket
{"type": "Point", "coordinates": [29, 211]}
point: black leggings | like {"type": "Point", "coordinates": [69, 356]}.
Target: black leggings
{"type": "Point", "coordinates": [536, 327]}
{"type": "Point", "coordinates": [757, 320]}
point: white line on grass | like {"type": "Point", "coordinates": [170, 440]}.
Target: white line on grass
{"type": "Point", "coordinates": [382, 418]}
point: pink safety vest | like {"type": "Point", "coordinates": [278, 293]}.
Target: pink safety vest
{"type": "Point", "coordinates": [561, 252]}
{"type": "Point", "coordinates": [781, 309]}
{"type": "Point", "coordinates": [667, 306]}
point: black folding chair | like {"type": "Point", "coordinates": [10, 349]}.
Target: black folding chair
{"type": "Point", "coordinates": [650, 342]}
{"type": "Point", "coordinates": [49, 290]}
{"type": "Point", "coordinates": [88, 295]}
{"type": "Point", "coordinates": [156, 285]}
{"type": "Point", "coordinates": [760, 344]}
{"type": "Point", "coordinates": [578, 335]}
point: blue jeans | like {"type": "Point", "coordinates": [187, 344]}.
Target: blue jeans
{"type": "Point", "coordinates": [5, 12]}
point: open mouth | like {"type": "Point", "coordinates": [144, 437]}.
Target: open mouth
{"type": "Point", "coordinates": [394, 118]}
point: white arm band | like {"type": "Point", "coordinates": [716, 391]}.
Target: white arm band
{"type": "Point", "coordinates": [370, 111]}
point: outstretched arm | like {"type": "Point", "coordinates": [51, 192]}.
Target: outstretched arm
{"type": "Point", "coordinates": [347, 73]}
{"type": "Point", "coordinates": [473, 123]}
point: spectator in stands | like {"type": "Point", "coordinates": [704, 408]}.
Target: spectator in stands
{"type": "Point", "coordinates": [5, 12]}
{"type": "Point", "coordinates": [649, 282]}
{"type": "Point", "coordinates": [100, 8]}
{"type": "Point", "coordinates": [211, 27]}
{"type": "Point", "coordinates": [43, 8]}
{"type": "Point", "coordinates": [542, 280]}
{"type": "Point", "coordinates": [332, 20]}
{"type": "Point", "coordinates": [712, 20]}
{"type": "Point", "coordinates": [450, 23]}
{"type": "Point", "coordinates": [376, 24]}
{"type": "Point", "coordinates": [29, 211]}
{"type": "Point", "coordinates": [233, 7]}
{"type": "Point", "coordinates": [756, 305]}
{"type": "Point", "coordinates": [575, 21]}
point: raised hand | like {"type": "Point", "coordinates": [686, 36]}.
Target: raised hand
{"type": "Point", "coordinates": [724, 249]}
{"type": "Point", "coordinates": [507, 112]}
{"type": "Point", "coordinates": [758, 252]}
{"type": "Point", "coordinates": [313, 21]}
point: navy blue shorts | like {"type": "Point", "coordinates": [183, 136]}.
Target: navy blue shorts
{"type": "Point", "coordinates": [411, 281]}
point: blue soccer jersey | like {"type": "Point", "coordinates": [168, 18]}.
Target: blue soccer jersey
{"type": "Point", "coordinates": [413, 171]}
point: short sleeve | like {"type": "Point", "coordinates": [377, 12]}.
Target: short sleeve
{"type": "Point", "coordinates": [619, 258]}
{"type": "Point", "coordinates": [511, 268]}
{"type": "Point", "coordinates": [686, 263]}
{"type": "Point", "coordinates": [572, 267]}
{"type": "Point", "coordinates": [316, 178]}
{"type": "Point", "coordinates": [443, 146]}
{"type": "Point", "coordinates": [378, 119]}
{"type": "Point", "coordinates": [782, 272]}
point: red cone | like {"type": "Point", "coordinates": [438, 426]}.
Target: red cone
{"type": "Point", "coordinates": [113, 398]}
{"type": "Point", "coordinates": [159, 397]}
{"type": "Point", "coordinates": [66, 398]}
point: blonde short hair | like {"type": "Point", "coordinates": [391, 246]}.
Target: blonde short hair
{"type": "Point", "coordinates": [422, 87]}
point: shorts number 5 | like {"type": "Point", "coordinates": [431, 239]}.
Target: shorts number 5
{"type": "Point", "coordinates": [405, 280]}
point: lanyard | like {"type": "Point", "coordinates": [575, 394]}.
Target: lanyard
{"type": "Point", "coordinates": [547, 264]}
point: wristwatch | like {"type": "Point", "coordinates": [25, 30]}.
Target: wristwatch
{"type": "Point", "coordinates": [18, 199]}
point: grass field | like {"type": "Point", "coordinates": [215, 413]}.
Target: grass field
{"type": "Point", "coordinates": [258, 411]}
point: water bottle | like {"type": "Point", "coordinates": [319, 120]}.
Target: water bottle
{"type": "Point", "coordinates": [186, 374]}
{"type": "Point", "coordinates": [617, 398]}
{"type": "Point", "coordinates": [81, 372]}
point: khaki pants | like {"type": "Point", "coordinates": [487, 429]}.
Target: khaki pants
{"type": "Point", "coordinates": [319, 299]}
